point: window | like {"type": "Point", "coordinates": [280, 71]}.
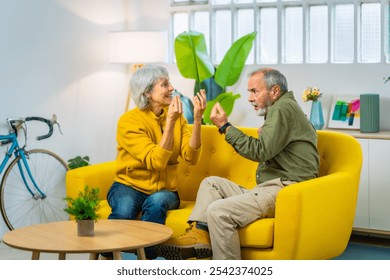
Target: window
{"type": "Point", "coordinates": [370, 33]}
{"type": "Point", "coordinates": [290, 31]}
{"type": "Point", "coordinates": [223, 33]}
{"type": "Point", "coordinates": [343, 43]}
{"type": "Point", "coordinates": [268, 42]}
{"type": "Point", "coordinates": [180, 21]}
{"type": "Point", "coordinates": [201, 24]}
{"type": "Point", "coordinates": [318, 34]}
{"type": "Point", "coordinates": [246, 25]}
{"type": "Point", "coordinates": [293, 35]}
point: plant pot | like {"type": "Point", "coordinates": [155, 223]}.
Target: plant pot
{"type": "Point", "coordinates": [86, 228]}
{"type": "Point", "coordinates": [211, 87]}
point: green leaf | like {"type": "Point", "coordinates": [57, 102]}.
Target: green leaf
{"type": "Point", "coordinates": [226, 100]}
{"type": "Point", "coordinates": [78, 162]}
{"type": "Point", "coordinates": [228, 72]}
{"type": "Point", "coordinates": [192, 59]}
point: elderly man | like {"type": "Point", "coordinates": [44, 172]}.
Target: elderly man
{"type": "Point", "coordinates": [286, 150]}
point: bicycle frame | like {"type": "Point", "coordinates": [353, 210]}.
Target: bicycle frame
{"type": "Point", "coordinates": [20, 152]}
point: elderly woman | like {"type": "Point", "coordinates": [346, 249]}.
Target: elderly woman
{"type": "Point", "coordinates": [151, 137]}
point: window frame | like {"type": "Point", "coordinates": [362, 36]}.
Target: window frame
{"type": "Point", "coordinates": [192, 6]}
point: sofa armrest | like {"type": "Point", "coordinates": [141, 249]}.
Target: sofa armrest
{"type": "Point", "coordinates": [99, 175]}
{"type": "Point", "coordinates": [315, 217]}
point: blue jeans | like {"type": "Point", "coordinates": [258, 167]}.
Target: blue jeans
{"type": "Point", "coordinates": [126, 203]}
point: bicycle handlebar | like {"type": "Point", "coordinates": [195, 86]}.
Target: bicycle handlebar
{"type": "Point", "coordinates": [16, 123]}
{"type": "Point", "coordinates": [47, 121]}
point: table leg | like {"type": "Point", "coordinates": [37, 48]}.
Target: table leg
{"type": "Point", "coordinates": [94, 256]}
{"type": "Point", "coordinates": [141, 253]}
{"type": "Point", "coordinates": [35, 255]}
{"type": "Point", "coordinates": [117, 255]}
{"type": "Point", "coordinates": [61, 256]}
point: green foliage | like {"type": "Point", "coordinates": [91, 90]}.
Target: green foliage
{"type": "Point", "coordinates": [225, 99]}
{"type": "Point", "coordinates": [191, 56]}
{"type": "Point", "coordinates": [85, 205]}
{"type": "Point", "coordinates": [78, 162]}
{"type": "Point", "coordinates": [229, 71]}
{"type": "Point", "coordinates": [193, 62]}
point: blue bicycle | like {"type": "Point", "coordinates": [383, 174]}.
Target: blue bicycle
{"type": "Point", "coordinates": [32, 189]}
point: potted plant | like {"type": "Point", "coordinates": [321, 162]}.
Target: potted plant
{"type": "Point", "coordinates": [193, 62]}
{"type": "Point", "coordinates": [78, 161]}
{"type": "Point", "coordinates": [84, 208]}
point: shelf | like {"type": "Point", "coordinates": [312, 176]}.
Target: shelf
{"type": "Point", "coordinates": [385, 134]}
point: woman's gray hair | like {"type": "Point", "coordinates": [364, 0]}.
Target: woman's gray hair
{"type": "Point", "coordinates": [143, 81]}
{"type": "Point", "coordinates": [271, 78]}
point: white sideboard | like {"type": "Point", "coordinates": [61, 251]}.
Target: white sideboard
{"type": "Point", "coordinates": [373, 206]}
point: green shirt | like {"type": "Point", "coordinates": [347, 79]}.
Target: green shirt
{"type": "Point", "coordinates": [287, 144]}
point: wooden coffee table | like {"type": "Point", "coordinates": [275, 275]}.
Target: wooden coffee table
{"type": "Point", "coordinates": [110, 236]}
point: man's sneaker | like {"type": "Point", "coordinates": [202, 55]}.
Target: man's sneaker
{"type": "Point", "coordinates": [194, 243]}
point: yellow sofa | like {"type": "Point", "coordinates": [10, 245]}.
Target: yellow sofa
{"type": "Point", "coordinates": [313, 219]}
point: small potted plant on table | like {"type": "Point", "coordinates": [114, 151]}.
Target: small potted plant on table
{"type": "Point", "coordinates": [84, 208]}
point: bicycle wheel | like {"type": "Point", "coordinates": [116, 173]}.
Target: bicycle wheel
{"type": "Point", "coordinates": [18, 207]}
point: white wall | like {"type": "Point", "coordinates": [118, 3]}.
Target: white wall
{"type": "Point", "coordinates": [54, 59]}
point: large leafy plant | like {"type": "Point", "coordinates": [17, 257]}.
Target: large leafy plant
{"type": "Point", "coordinates": [194, 62]}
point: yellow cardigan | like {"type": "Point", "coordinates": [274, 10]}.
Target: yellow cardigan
{"type": "Point", "coordinates": [141, 162]}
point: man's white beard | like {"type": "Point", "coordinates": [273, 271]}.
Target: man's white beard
{"type": "Point", "coordinates": [262, 112]}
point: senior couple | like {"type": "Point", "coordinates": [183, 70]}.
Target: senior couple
{"type": "Point", "coordinates": [155, 133]}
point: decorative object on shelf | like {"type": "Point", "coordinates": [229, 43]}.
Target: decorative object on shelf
{"type": "Point", "coordinates": [193, 62]}
{"type": "Point", "coordinates": [84, 208]}
{"type": "Point", "coordinates": [369, 107]}
{"type": "Point", "coordinates": [316, 116]}
{"type": "Point", "coordinates": [345, 112]}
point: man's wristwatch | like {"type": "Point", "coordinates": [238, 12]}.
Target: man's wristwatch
{"type": "Point", "coordinates": [223, 128]}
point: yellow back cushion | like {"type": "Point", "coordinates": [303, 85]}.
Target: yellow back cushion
{"type": "Point", "coordinates": [218, 159]}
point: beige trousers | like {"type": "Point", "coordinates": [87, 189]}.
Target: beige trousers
{"type": "Point", "coordinates": [226, 206]}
